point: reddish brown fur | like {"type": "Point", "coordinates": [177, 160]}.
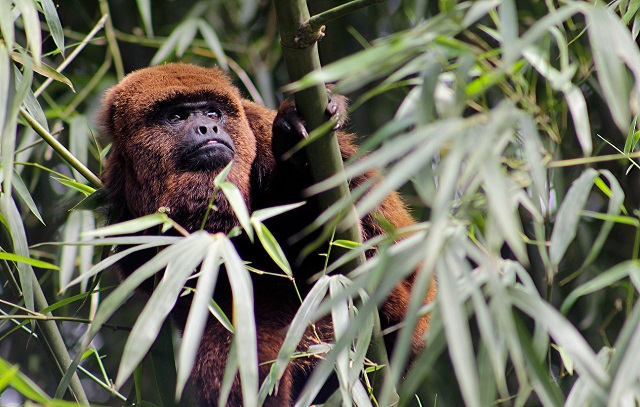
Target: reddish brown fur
{"type": "Point", "coordinates": [141, 177]}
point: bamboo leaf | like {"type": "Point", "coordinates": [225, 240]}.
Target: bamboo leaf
{"type": "Point", "coordinates": [33, 262]}
{"type": "Point", "coordinates": [611, 71]}
{"type": "Point", "coordinates": [568, 216]}
{"type": "Point", "coordinates": [211, 38]}
{"type": "Point", "coordinates": [458, 337]}
{"type": "Point", "coordinates": [148, 324]}
{"type": "Point", "coordinates": [53, 21]}
{"type": "Point", "coordinates": [32, 27]}
{"type": "Point", "coordinates": [244, 322]}
{"type": "Point", "coordinates": [22, 383]}
{"type": "Point", "coordinates": [130, 226]}
{"type": "Point", "coordinates": [119, 296]}
{"type": "Point", "coordinates": [144, 7]}
{"type": "Point", "coordinates": [198, 315]}
{"type": "Point", "coordinates": [272, 247]}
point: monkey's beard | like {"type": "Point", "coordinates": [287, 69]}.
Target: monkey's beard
{"type": "Point", "coordinates": [187, 197]}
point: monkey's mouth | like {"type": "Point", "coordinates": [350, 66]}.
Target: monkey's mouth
{"type": "Point", "coordinates": [209, 154]}
{"type": "Point", "coordinates": [212, 143]}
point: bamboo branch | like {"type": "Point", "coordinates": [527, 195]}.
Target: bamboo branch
{"type": "Point", "coordinates": [61, 149]}
{"type": "Point", "coordinates": [325, 159]}
{"type": "Point", "coordinates": [50, 331]}
{"type": "Point", "coordinates": [49, 334]}
{"type": "Point", "coordinates": [316, 23]}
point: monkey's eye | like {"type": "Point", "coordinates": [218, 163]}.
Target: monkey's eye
{"type": "Point", "coordinates": [176, 117]}
{"type": "Point", "coordinates": [213, 114]}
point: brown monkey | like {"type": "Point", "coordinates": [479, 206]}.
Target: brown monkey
{"type": "Point", "coordinates": [173, 128]}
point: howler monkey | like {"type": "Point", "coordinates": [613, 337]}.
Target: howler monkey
{"type": "Point", "coordinates": [173, 128]}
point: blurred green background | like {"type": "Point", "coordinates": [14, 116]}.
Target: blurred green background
{"type": "Point", "coordinates": [526, 190]}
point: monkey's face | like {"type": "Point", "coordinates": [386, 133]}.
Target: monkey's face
{"type": "Point", "coordinates": [203, 143]}
{"type": "Point", "coordinates": [174, 128]}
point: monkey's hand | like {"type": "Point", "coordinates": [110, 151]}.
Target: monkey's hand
{"type": "Point", "coordinates": [337, 108]}
{"type": "Point", "coordinates": [289, 128]}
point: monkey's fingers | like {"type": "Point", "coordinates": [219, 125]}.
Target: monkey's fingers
{"type": "Point", "coordinates": [288, 130]}
{"type": "Point", "coordinates": [289, 121]}
{"type": "Point", "coordinates": [337, 109]}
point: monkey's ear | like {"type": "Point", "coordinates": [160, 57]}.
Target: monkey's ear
{"type": "Point", "coordinates": [260, 120]}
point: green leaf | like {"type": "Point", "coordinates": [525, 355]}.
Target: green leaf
{"type": "Point", "coordinates": [148, 324]}
{"type": "Point", "coordinates": [244, 322]}
{"type": "Point", "coordinates": [21, 189]}
{"type": "Point", "coordinates": [119, 296]}
{"type": "Point", "coordinates": [167, 47]}
{"type": "Point", "coordinates": [272, 247]}
{"type": "Point", "coordinates": [632, 137]}
{"type": "Point", "coordinates": [566, 359]}
{"type": "Point", "coordinates": [565, 335]}
{"type": "Point", "coordinates": [568, 215]}
{"type": "Point", "coordinates": [86, 190]}
{"type": "Point", "coordinates": [345, 244]}
{"type": "Point", "coordinates": [131, 226]}
{"type": "Point", "coordinates": [20, 247]}
{"type": "Point", "coordinates": [23, 384]}
{"type": "Point", "coordinates": [509, 31]}
{"type": "Point", "coordinates": [44, 70]}
{"type": "Point", "coordinates": [53, 21]}
{"type": "Point", "coordinates": [31, 27]}
{"type": "Point", "coordinates": [340, 318]}
{"type": "Point", "coordinates": [144, 7]}
{"type": "Point", "coordinates": [627, 368]}
{"type": "Point", "coordinates": [616, 200]}
{"type": "Point", "coordinates": [263, 214]}
{"type": "Point", "coordinates": [239, 206]}
{"type": "Point", "coordinates": [31, 104]}
{"type": "Point", "coordinates": [70, 300]}
{"type": "Point", "coordinates": [220, 316]}
{"type": "Point", "coordinates": [7, 26]}
{"type": "Point", "coordinates": [198, 314]}
{"type": "Point", "coordinates": [211, 38]}
{"type": "Point", "coordinates": [611, 70]}
{"type": "Point", "coordinates": [32, 262]}
{"type": "Point", "coordinates": [601, 281]}
{"type": "Point", "coordinates": [298, 326]}
{"type": "Point", "coordinates": [458, 336]}
{"type": "Point", "coordinates": [111, 260]}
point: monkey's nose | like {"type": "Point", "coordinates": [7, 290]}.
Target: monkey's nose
{"type": "Point", "coordinates": [204, 130]}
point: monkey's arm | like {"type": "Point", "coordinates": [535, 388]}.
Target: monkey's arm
{"type": "Point", "coordinates": [289, 128]}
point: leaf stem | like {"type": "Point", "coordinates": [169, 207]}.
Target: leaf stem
{"type": "Point", "coordinates": [61, 149]}
{"type": "Point", "coordinates": [321, 19]}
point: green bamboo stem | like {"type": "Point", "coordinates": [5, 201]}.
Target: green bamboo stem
{"type": "Point", "coordinates": [325, 160]}
{"type": "Point", "coordinates": [61, 149]}
{"type": "Point", "coordinates": [324, 155]}
{"type": "Point", "coordinates": [50, 331]}
{"type": "Point", "coordinates": [110, 33]}
{"type": "Point", "coordinates": [73, 55]}
{"type": "Point", "coordinates": [317, 21]}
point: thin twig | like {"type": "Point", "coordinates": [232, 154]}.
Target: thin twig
{"type": "Point", "coordinates": [592, 160]}
{"type": "Point", "coordinates": [321, 19]}
{"type": "Point", "coordinates": [61, 150]}
{"type": "Point", "coordinates": [110, 33]}
{"type": "Point", "coordinates": [75, 53]}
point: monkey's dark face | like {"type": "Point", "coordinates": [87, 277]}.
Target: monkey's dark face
{"type": "Point", "coordinates": [174, 128]}
{"type": "Point", "coordinates": [203, 144]}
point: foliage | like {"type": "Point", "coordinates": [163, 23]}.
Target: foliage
{"type": "Point", "coordinates": [510, 127]}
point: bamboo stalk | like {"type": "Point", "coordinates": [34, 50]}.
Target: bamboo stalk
{"type": "Point", "coordinates": [300, 51]}
{"type": "Point", "coordinates": [323, 154]}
